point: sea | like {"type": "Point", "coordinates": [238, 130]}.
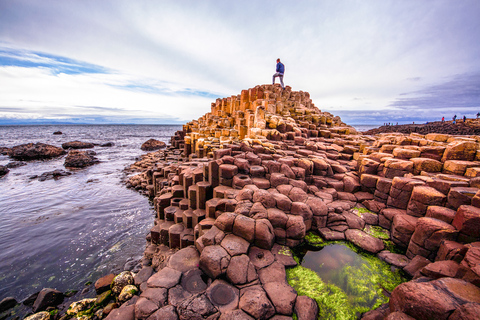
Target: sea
{"type": "Point", "coordinates": [66, 232]}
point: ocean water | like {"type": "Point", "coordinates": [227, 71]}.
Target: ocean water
{"type": "Point", "coordinates": [63, 233]}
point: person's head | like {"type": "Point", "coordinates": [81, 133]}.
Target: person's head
{"type": "Point", "coordinates": [278, 60]}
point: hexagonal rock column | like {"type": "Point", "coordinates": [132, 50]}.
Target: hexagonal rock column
{"type": "Point", "coordinates": [422, 197]}
{"type": "Point", "coordinates": [427, 237]}
{"type": "Point", "coordinates": [467, 222]}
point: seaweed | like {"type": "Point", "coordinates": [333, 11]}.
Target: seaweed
{"type": "Point", "coordinates": [354, 288]}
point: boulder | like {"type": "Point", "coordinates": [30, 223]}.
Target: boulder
{"type": "Point", "coordinates": [103, 284]}
{"type": "Point", "coordinates": [3, 170]}
{"type": "Point", "coordinates": [77, 145]}
{"type": "Point", "coordinates": [121, 280]}
{"type": "Point", "coordinates": [35, 151]}
{"type": "Point", "coordinates": [153, 144]}
{"type": "Point", "coordinates": [47, 298]}
{"type": "Point", "coordinates": [7, 303]}
{"type": "Point", "coordinates": [80, 159]}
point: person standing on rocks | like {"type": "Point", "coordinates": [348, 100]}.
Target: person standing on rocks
{"type": "Point", "coordinates": [280, 70]}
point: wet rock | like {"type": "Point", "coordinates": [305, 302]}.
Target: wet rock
{"type": "Point", "coordinates": [55, 174]}
{"type": "Point", "coordinates": [77, 145]}
{"type": "Point", "coordinates": [121, 280]}
{"type": "Point", "coordinates": [398, 260]}
{"type": "Point", "coordinates": [44, 315]}
{"type": "Point", "coordinates": [15, 164]}
{"type": "Point", "coordinates": [254, 301]}
{"type": "Point", "coordinates": [364, 240]}
{"type": "Point", "coordinates": [79, 306]}
{"type": "Point", "coordinates": [7, 303]}
{"type": "Point", "coordinates": [306, 308]}
{"type": "Point", "coordinates": [103, 284]}
{"type": "Point", "coordinates": [152, 144]}
{"type": "Point", "coordinates": [195, 307]}
{"type": "Point", "coordinates": [165, 278]}
{"type": "Point", "coordinates": [58, 132]}
{"type": "Point", "coordinates": [47, 298]}
{"type": "Point", "coordinates": [127, 293]}
{"type": "Point", "coordinates": [35, 151]}
{"type": "Point", "coordinates": [80, 159]}
{"type": "Point", "coordinates": [107, 144]}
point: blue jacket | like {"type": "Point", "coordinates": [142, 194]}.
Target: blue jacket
{"type": "Point", "coordinates": [280, 68]}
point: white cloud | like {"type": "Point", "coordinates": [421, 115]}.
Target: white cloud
{"type": "Point", "coordinates": [347, 54]}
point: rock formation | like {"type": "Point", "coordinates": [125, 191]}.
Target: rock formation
{"type": "Point", "coordinates": [265, 167]}
{"type": "Point", "coordinates": [244, 183]}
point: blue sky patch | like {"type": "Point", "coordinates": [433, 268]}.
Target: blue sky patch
{"type": "Point", "coordinates": [57, 64]}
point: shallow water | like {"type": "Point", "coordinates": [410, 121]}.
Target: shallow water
{"type": "Point", "coordinates": [365, 279]}
{"type": "Point", "coordinates": [63, 233]}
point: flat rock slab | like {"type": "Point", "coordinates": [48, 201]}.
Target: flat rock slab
{"type": "Point", "coordinates": [184, 259]}
{"type": "Point", "coordinates": [223, 295]}
{"type": "Point", "coordinates": [165, 278]}
{"type": "Point", "coordinates": [364, 240]}
{"type": "Point", "coordinates": [395, 259]}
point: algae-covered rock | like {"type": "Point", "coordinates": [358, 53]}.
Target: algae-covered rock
{"type": "Point", "coordinates": [44, 315]}
{"type": "Point", "coordinates": [121, 280]}
{"type": "Point", "coordinates": [80, 306]}
{"type": "Point", "coordinates": [103, 298]}
{"type": "Point", "coordinates": [127, 292]}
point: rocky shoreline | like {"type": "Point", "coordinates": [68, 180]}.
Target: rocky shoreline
{"type": "Point", "coordinates": [240, 187]}
{"type": "Point", "coordinates": [469, 127]}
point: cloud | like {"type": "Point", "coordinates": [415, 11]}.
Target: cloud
{"type": "Point", "coordinates": [174, 58]}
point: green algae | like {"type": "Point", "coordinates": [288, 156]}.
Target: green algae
{"type": "Point", "coordinates": [377, 232]}
{"type": "Point", "coordinates": [363, 210]}
{"type": "Point", "coordinates": [347, 291]}
{"type": "Point", "coordinates": [332, 301]}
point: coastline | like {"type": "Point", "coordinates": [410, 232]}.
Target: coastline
{"type": "Point", "coordinates": [239, 198]}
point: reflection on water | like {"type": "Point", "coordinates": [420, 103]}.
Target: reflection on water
{"type": "Point", "coordinates": [360, 280]}
{"type": "Point", "coordinates": [63, 233]}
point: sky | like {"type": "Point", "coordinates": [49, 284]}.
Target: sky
{"type": "Point", "coordinates": [162, 62]}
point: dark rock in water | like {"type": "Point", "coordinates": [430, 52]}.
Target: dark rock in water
{"type": "Point", "coordinates": [3, 171]}
{"type": "Point", "coordinates": [16, 164]}
{"type": "Point", "coordinates": [80, 159]}
{"type": "Point", "coordinates": [7, 303]}
{"type": "Point", "coordinates": [55, 174]}
{"type": "Point", "coordinates": [35, 151]}
{"type": "Point", "coordinates": [5, 151]}
{"type": "Point", "coordinates": [107, 144]}
{"type": "Point", "coordinates": [31, 299]}
{"type": "Point", "coordinates": [58, 132]}
{"type": "Point", "coordinates": [47, 298]}
{"type": "Point", "coordinates": [77, 145]}
{"type": "Point", "coordinates": [153, 144]}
